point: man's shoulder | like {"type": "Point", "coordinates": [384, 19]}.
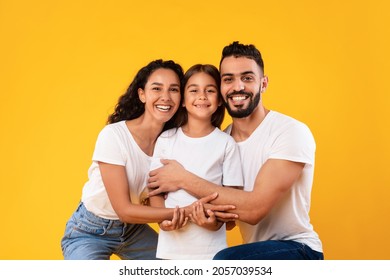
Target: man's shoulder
{"type": "Point", "coordinates": [286, 120]}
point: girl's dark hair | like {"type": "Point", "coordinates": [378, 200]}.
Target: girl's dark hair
{"type": "Point", "coordinates": [129, 105]}
{"type": "Point", "coordinates": [240, 50]}
{"type": "Point", "coordinates": [219, 114]}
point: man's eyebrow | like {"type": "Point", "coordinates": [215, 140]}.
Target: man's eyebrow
{"type": "Point", "coordinates": [247, 72]}
{"type": "Point", "coordinates": [242, 73]}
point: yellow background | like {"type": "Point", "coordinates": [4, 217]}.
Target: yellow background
{"type": "Point", "coordinates": [63, 64]}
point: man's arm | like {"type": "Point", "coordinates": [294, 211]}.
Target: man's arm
{"type": "Point", "coordinates": [274, 179]}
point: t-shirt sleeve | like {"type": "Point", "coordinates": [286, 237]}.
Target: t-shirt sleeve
{"type": "Point", "coordinates": [108, 148]}
{"type": "Point", "coordinates": [232, 169]}
{"type": "Point", "coordinates": [295, 143]}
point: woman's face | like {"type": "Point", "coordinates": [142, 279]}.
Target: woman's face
{"type": "Point", "coordinates": [161, 94]}
{"type": "Point", "coordinates": [201, 97]}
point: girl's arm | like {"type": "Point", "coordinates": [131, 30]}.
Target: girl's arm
{"type": "Point", "coordinates": [210, 221]}
{"type": "Point", "coordinates": [198, 216]}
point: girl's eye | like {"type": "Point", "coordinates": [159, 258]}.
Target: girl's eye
{"type": "Point", "coordinates": [193, 90]}
{"type": "Point", "coordinates": [156, 88]}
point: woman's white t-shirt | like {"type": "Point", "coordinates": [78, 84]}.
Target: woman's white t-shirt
{"type": "Point", "coordinates": [115, 145]}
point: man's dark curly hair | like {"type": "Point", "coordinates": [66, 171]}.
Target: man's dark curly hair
{"type": "Point", "coordinates": [129, 105]}
{"type": "Point", "coordinates": [237, 49]}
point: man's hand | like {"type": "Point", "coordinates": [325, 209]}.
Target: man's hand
{"type": "Point", "coordinates": [179, 220]}
{"type": "Point", "coordinates": [167, 178]}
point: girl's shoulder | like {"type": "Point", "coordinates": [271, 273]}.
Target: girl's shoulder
{"type": "Point", "coordinates": [223, 135]}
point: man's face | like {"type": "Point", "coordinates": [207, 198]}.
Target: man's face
{"type": "Point", "coordinates": [242, 83]}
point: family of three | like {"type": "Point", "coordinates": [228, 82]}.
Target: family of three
{"type": "Point", "coordinates": [162, 158]}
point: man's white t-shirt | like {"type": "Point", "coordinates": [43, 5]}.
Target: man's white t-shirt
{"type": "Point", "coordinates": [215, 158]}
{"type": "Point", "coordinates": [115, 145]}
{"type": "Point", "coordinates": [281, 137]}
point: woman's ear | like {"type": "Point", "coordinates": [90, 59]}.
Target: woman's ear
{"type": "Point", "coordinates": [141, 95]}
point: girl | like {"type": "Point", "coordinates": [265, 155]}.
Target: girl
{"type": "Point", "coordinates": [199, 145]}
{"type": "Point", "coordinates": [109, 219]}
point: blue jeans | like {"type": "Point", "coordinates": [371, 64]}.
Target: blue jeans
{"type": "Point", "coordinates": [89, 237]}
{"type": "Point", "coordinates": [270, 250]}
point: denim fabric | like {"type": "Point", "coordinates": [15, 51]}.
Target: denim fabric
{"type": "Point", "coordinates": [89, 237]}
{"type": "Point", "coordinates": [270, 250]}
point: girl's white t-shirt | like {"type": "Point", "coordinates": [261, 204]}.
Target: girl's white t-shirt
{"type": "Point", "coordinates": [215, 158]}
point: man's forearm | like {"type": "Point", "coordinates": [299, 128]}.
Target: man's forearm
{"type": "Point", "coordinates": [199, 188]}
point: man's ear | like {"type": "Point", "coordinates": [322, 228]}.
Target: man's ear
{"type": "Point", "coordinates": [264, 83]}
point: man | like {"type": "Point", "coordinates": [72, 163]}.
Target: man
{"type": "Point", "coordinates": [277, 154]}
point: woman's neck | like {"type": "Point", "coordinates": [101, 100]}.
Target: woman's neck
{"type": "Point", "coordinates": [145, 133]}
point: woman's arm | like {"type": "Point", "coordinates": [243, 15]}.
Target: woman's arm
{"type": "Point", "coordinates": [179, 219]}
{"type": "Point", "coordinates": [115, 180]}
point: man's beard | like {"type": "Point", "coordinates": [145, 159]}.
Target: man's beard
{"type": "Point", "coordinates": [242, 113]}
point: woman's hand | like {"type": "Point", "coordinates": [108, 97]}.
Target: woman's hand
{"type": "Point", "coordinates": [179, 220]}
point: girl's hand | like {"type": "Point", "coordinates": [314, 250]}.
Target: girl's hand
{"type": "Point", "coordinates": [198, 216]}
{"type": "Point", "coordinates": [179, 220]}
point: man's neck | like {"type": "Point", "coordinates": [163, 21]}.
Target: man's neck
{"type": "Point", "coordinates": [243, 127]}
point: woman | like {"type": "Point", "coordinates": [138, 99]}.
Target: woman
{"type": "Point", "coordinates": [109, 219]}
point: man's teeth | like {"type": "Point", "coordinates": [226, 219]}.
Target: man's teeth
{"type": "Point", "coordinates": [239, 98]}
{"type": "Point", "coordinates": [163, 107]}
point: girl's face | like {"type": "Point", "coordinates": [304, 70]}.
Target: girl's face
{"type": "Point", "coordinates": [161, 94]}
{"type": "Point", "coordinates": [201, 97]}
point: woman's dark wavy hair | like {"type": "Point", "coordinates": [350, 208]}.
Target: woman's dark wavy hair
{"type": "Point", "coordinates": [219, 114]}
{"type": "Point", "coordinates": [129, 105]}
{"type": "Point", "coordinates": [240, 50]}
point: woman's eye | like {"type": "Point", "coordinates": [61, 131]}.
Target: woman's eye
{"type": "Point", "coordinates": [175, 89]}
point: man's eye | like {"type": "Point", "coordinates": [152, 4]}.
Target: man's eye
{"type": "Point", "coordinates": [247, 78]}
